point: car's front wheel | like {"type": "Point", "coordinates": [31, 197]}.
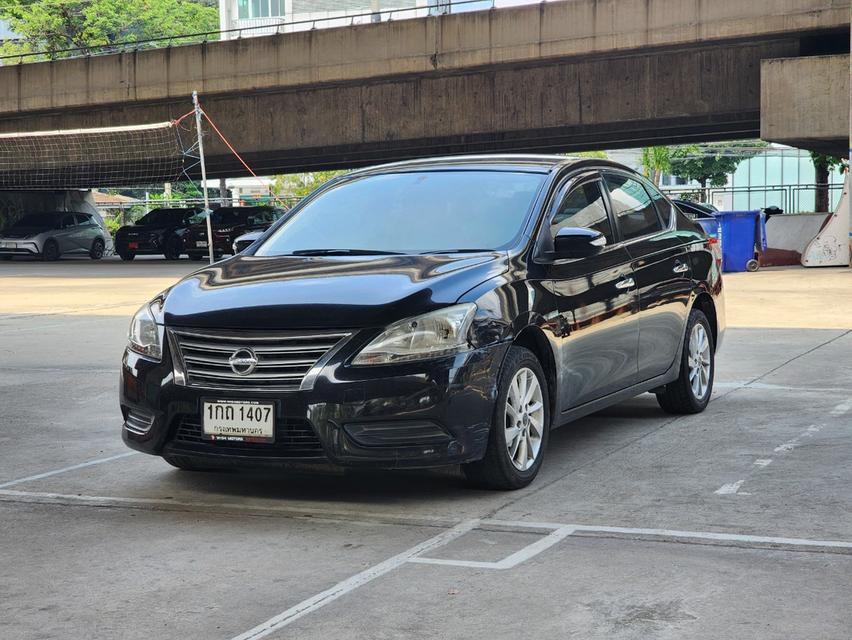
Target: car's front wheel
{"type": "Point", "coordinates": [173, 248]}
{"type": "Point", "coordinates": [520, 428]}
{"type": "Point", "coordinates": [690, 393]}
{"type": "Point", "coordinates": [50, 251]}
{"type": "Point", "coordinates": [97, 250]}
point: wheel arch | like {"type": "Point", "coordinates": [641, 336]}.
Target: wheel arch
{"type": "Point", "coordinates": [704, 303]}
{"type": "Point", "coordinates": [533, 338]}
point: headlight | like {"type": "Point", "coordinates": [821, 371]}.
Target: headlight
{"type": "Point", "coordinates": [431, 335]}
{"type": "Point", "coordinates": [145, 336]}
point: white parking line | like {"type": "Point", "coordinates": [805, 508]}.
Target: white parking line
{"type": "Point", "coordinates": [359, 579]}
{"type": "Point", "coordinates": [82, 465]}
{"type": "Point", "coordinates": [842, 408]}
{"type": "Point", "coordinates": [730, 488]}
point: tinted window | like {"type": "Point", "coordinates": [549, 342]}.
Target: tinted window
{"type": "Point", "coordinates": [165, 216]}
{"type": "Point", "coordinates": [417, 211]}
{"type": "Point", "coordinates": [664, 207]}
{"type": "Point", "coordinates": [636, 213]}
{"type": "Point", "coordinates": [67, 221]}
{"type": "Point", "coordinates": [583, 207]}
{"type": "Point", "coordinates": [37, 221]}
{"type": "Point", "coordinates": [82, 218]}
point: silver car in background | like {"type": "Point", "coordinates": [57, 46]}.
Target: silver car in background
{"type": "Point", "coordinates": [50, 235]}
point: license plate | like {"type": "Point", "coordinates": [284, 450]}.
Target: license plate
{"type": "Point", "coordinates": [238, 420]}
{"type": "Point", "coordinates": [201, 243]}
{"type": "Point", "coordinates": [132, 245]}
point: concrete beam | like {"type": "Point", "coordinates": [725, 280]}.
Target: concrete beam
{"type": "Point", "coordinates": [450, 43]}
{"type": "Point", "coordinates": [804, 102]}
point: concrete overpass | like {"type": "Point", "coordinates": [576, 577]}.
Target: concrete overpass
{"type": "Point", "coordinates": [555, 76]}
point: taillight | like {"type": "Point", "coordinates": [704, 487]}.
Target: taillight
{"type": "Point", "coordinates": [716, 248]}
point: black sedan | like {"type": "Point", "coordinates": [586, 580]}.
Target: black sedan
{"type": "Point", "coordinates": [449, 311]}
{"type": "Point", "coordinates": [160, 231]}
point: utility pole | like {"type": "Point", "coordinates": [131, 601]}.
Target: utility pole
{"type": "Point", "coordinates": [203, 174]}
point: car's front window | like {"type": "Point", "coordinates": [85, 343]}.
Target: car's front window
{"type": "Point", "coordinates": [411, 212]}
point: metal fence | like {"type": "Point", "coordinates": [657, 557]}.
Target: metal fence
{"type": "Point", "coordinates": [791, 198]}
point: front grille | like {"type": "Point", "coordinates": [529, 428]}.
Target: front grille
{"type": "Point", "coordinates": [283, 359]}
{"type": "Point", "coordinates": [294, 438]}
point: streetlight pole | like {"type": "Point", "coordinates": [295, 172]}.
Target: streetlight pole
{"type": "Point", "coordinates": [203, 174]}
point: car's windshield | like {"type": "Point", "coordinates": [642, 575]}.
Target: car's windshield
{"type": "Point", "coordinates": [411, 212]}
{"type": "Point", "coordinates": [162, 216]}
{"type": "Point", "coordinates": [37, 220]}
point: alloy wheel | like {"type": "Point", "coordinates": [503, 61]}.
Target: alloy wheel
{"type": "Point", "coordinates": [699, 361]}
{"type": "Point", "coordinates": [524, 419]}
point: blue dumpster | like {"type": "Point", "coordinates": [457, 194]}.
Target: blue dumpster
{"type": "Point", "coordinates": [743, 238]}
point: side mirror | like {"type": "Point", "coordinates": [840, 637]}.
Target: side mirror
{"type": "Point", "coordinates": [577, 242]}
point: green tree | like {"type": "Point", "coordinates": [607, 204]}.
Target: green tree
{"type": "Point", "coordinates": [823, 166]}
{"type": "Point", "coordinates": [88, 24]}
{"type": "Point", "coordinates": [301, 184]}
{"type": "Point", "coordinates": [656, 161]}
{"type": "Point", "coordinates": [710, 164]}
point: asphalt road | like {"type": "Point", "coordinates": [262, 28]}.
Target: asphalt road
{"type": "Point", "coordinates": [736, 523]}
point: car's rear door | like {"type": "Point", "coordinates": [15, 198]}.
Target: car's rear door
{"type": "Point", "coordinates": [660, 265]}
{"type": "Point", "coordinates": [87, 231]}
{"type": "Point", "coordinates": [596, 298]}
{"type": "Point", "coordinates": [66, 236]}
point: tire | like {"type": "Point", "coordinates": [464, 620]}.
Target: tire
{"type": "Point", "coordinates": [97, 250]}
{"type": "Point", "coordinates": [752, 266]}
{"type": "Point", "coordinates": [50, 252]}
{"type": "Point", "coordinates": [188, 463]}
{"type": "Point", "coordinates": [173, 248]}
{"type": "Point", "coordinates": [126, 255]}
{"type": "Point", "coordinates": [680, 397]}
{"type": "Point", "coordinates": [196, 256]}
{"type": "Point", "coordinates": [499, 469]}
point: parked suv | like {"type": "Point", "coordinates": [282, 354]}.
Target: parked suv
{"type": "Point", "coordinates": [160, 231]}
{"type": "Point", "coordinates": [449, 311]}
{"type": "Point", "coordinates": [50, 235]}
{"type": "Point", "coordinates": [228, 224]}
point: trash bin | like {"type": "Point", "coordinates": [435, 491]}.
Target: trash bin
{"type": "Point", "coordinates": [743, 239]}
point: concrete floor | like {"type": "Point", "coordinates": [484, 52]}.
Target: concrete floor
{"type": "Point", "coordinates": [733, 524]}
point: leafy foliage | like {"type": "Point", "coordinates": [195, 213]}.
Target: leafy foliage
{"type": "Point", "coordinates": [656, 161]}
{"type": "Point", "coordinates": [710, 164]}
{"type": "Point", "coordinates": [87, 24]}
{"type": "Point", "coordinates": [301, 184]}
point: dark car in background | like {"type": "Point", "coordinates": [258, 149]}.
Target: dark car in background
{"type": "Point", "coordinates": [52, 234]}
{"type": "Point", "coordinates": [160, 231]}
{"type": "Point", "coordinates": [228, 224]}
{"type": "Point", "coordinates": [427, 313]}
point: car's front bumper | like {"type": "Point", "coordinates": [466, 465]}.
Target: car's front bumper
{"type": "Point", "coordinates": [415, 415]}
{"type": "Point", "coordinates": [13, 247]}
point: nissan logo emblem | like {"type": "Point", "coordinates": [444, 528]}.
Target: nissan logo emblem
{"type": "Point", "coordinates": [243, 361]}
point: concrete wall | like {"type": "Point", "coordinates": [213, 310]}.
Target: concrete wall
{"type": "Point", "coordinates": [552, 76]}
{"type": "Point", "coordinates": [804, 102]}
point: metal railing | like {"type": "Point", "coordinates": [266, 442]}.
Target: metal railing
{"type": "Point", "coordinates": [127, 211]}
{"type": "Point", "coordinates": [442, 7]}
{"type": "Point", "coordinates": [788, 197]}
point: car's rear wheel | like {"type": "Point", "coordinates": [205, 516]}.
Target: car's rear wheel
{"type": "Point", "coordinates": [173, 248]}
{"type": "Point", "coordinates": [521, 426]}
{"type": "Point", "coordinates": [690, 393]}
{"type": "Point", "coordinates": [97, 250]}
{"type": "Point", "coordinates": [126, 255]}
{"type": "Point", "coordinates": [50, 251]}
{"type": "Point", "coordinates": [196, 256]}
{"type": "Point", "coordinates": [188, 463]}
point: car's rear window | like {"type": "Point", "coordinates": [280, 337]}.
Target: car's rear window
{"type": "Point", "coordinates": [412, 212]}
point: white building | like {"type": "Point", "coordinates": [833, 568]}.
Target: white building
{"type": "Point", "coordinates": [262, 17]}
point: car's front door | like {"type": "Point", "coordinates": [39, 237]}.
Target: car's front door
{"type": "Point", "coordinates": [596, 298]}
{"type": "Point", "coordinates": [87, 231]}
{"type": "Point", "coordinates": [661, 269]}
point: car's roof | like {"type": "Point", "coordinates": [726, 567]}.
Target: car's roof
{"type": "Point", "coordinates": [505, 161]}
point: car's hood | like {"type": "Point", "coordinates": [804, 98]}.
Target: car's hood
{"type": "Point", "coordinates": [22, 232]}
{"type": "Point", "coordinates": [248, 292]}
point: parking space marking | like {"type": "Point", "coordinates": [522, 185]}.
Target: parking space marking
{"type": "Point", "coordinates": [730, 488]}
{"type": "Point", "coordinates": [842, 408]}
{"type": "Point", "coordinates": [350, 584]}
{"type": "Point", "coordinates": [559, 533]}
{"type": "Point", "coordinates": [795, 442]}
{"type": "Point", "coordinates": [74, 467]}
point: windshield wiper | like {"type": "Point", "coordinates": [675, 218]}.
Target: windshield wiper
{"type": "Point", "coordinates": [343, 252]}
{"type": "Point", "coordinates": [441, 251]}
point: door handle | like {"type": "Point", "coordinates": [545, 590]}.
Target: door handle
{"type": "Point", "coordinates": [680, 267]}
{"type": "Point", "coordinates": [625, 283]}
